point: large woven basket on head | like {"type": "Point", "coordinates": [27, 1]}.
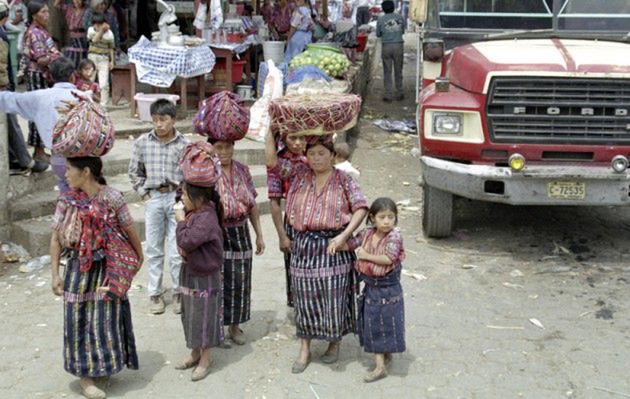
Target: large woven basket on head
{"type": "Point", "coordinates": [319, 114]}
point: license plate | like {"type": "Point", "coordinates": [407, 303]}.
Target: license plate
{"type": "Point", "coordinates": [566, 190]}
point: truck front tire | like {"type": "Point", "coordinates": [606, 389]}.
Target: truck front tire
{"type": "Point", "coordinates": [437, 215]}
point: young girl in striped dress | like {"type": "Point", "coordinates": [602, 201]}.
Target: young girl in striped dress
{"type": "Point", "coordinates": [380, 251]}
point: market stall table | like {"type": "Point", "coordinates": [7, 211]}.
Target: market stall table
{"type": "Point", "coordinates": [161, 65]}
{"type": "Point", "coordinates": [227, 51]}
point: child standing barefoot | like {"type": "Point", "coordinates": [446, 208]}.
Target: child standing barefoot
{"type": "Point", "coordinates": [200, 241]}
{"type": "Point", "coordinates": [380, 252]}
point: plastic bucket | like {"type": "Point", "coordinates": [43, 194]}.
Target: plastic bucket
{"type": "Point", "coordinates": [145, 100]}
{"type": "Point", "coordinates": [274, 51]}
{"type": "Point", "coordinates": [237, 69]}
{"type": "Point", "coordinates": [245, 92]}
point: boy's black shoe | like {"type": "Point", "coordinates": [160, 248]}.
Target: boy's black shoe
{"type": "Point", "coordinates": [400, 97]}
{"type": "Point", "coordinates": [387, 99]}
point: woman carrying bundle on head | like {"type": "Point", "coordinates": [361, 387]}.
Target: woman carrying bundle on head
{"type": "Point", "coordinates": [93, 228]}
{"type": "Point", "coordinates": [324, 207]}
{"type": "Point", "coordinates": [200, 242]}
{"type": "Point", "coordinates": [224, 119]}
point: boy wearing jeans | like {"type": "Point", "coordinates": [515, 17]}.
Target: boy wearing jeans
{"type": "Point", "coordinates": [390, 28]}
{"type": "Point", "coordinates": [155, 174]}
{"type": "Point", "coordinates": [101, 52]}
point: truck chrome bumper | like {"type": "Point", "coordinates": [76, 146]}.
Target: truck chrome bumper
{"type": "Point", "coordinates": [528, 187]}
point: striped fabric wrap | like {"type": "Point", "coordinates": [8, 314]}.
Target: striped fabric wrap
{"type": "Point", "coordinates": [222, 117]}
{"type": "Point", "coordinates": [199, 166]}
{"type": "Point", "coordinates": [84, 131]}
{"type": "Point", "coordinates": [98, 334]}
{"type": "Point", "coordinates": [323, 287]}
{"type": "Point", "coordinates": [237, 274]}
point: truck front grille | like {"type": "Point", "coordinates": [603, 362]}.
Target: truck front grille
{"type": "Point", "coordinates": [559, 110]}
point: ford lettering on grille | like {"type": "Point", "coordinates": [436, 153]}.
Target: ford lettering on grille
{"type": "Point", "coordinates": [559, 110]}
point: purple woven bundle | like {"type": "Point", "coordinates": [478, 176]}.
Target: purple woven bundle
{"type": "Point", "coordinates": [222, 117]}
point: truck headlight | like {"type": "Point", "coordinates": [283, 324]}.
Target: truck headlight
{"type": "Point", "coordinates": [447, 123]}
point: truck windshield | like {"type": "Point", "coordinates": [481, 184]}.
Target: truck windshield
{"type": "Point", "coordinates": [571, 15]}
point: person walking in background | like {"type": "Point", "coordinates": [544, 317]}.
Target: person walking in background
{"type": "Point", "coordinates": [39, 52]}
{"type": "Point", "coordinates": [101, 52]}
{"type": "Point", "coordinates": [20, 160]}
{"type": "Point", "coordinates": [155, 174]}
{"type": "Point", "coordinates": [390, 29]}
{"type": "Point", "coordinates": [200, 241]}
{"type": "Point", "coordinates": [40, 108]}
{"type": "Point", "coordinates": [77, 45]}
{"type": "Point", "coordinates": [380, 253]}
{"type": "Point", "coordinates": [301, 31]}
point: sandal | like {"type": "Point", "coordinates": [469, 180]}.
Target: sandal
{"type": "Point", "coordinates": [330, 358]}
{"type": "Point", "coordinates": [186, 364]}
{"type": "Point", "coordinates": [239, 339]}
{"type": "Point", "coordinates": [374, 376]}
{"type": "Point", "coordinates": [200, 375]}
{"type": "Point", "coordinates": [299, 367]}
{"type": "Point", "coordinates": [92, 392]}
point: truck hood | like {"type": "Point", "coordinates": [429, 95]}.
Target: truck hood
{"type": "Point", "coordinates": [472, 66]}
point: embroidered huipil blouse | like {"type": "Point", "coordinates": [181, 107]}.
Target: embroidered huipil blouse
{"type": "Point", "coordinates": [281, 19]}
{"type": "Point", "coordinates": [238, 194]}
{"type": "Point", "coordinates": [74, 20]}
{"type": "Point", "coordinates": [390, 245]}
{"type": "Point", "coordinates": [331, 209]}
{"type": "Point", "coordinates": [277, 187]}
{"type": "Point", "coordinates": [38, 44]}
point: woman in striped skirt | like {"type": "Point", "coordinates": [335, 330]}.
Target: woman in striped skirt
{"type": "Point", "coordinates": [77, 47]}
{"type": "Point", "coordinates": [98, 333]}
{"type": "Point", "coordinates": [324, 207]}
{"type": "Point", "coordinates": [39, 51]}
{"type": "Point", "coordinates": [238, 197]}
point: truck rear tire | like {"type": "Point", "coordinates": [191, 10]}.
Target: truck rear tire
{"type": "Point", "coordinates": [437, 216]}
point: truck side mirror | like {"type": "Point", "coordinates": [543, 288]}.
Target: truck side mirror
{"type": "Point", "coordinates": [433, 50]}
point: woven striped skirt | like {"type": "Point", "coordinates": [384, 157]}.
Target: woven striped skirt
{"type": "Point", "coordinates": [381, 323]}
{"type": "Point", "coordinates": [237, 273]}
{"type": "Point", "coordinates": [324, 287]}
{"type": "Point", "coordinates": [202, 309]}
{"type": "Point", "coordinates": [98, 334]}
{"type": "Point", "coordinates": [287, 264]}
{"type": "Point", "coordinates": [34, 81]}
{"type": "Point", "coordinates": [76, 50]}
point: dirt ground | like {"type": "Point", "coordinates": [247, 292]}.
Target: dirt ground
{"type": "Point", "coordinates": [521, 302]}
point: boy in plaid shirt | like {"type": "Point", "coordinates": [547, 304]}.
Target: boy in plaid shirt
{"type": "Point", "coordinates": [155, 174]}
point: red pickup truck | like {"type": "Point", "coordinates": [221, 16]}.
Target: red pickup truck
{"type": "Point", "coordinates": [523, 102]}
